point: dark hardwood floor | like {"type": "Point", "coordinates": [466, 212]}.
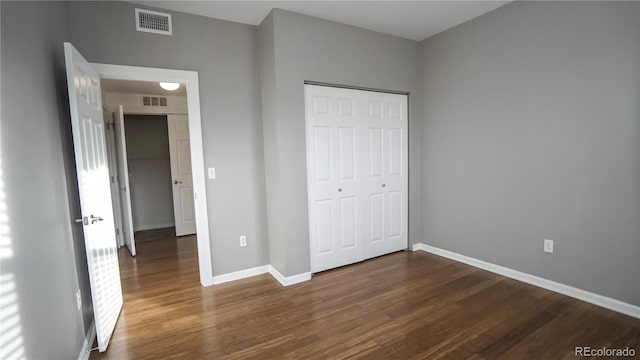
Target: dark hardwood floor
{"type": "Point", "coordinates": [407, 305]}
{"type": "Point", "coordinates": [155, 234]}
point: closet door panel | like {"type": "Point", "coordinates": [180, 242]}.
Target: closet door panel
{"type": "Point", "coordinates": [333, 175]}
{"type": "Point", "coordinates": [386, 186]}
{"type": "Point", "coordinates": [356, 174]}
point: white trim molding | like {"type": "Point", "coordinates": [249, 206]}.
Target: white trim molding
{"type": "Point", "coordinates": [190, 78]}
{"type": "Point", "coordinates": [289, 280]}
{"type": "Point", "coordinates": [85, 351]}
{"type": "Point", "coordinates": [259, 270]}
{"type": "Point", "coordinates": [242, 274]}
{"type": "Point", "coordinates": [595, 299]}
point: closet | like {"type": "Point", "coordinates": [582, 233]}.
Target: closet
{"type": "Point", "coordinates": [357, 179]}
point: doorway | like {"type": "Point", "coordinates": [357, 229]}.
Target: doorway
{"type": "Point", "coordinates": [189, 79]}
{"type": "Point", "coordinates": [97, 220]}
{"type": "Point", "coordinates": [151, 173]}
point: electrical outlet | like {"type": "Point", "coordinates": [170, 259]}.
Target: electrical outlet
{"type": "Point", "coordinates": [548, 246]}
{"type": "Point", "coordinates": [79, 299]}
{"type": "Point", "coordinates": [243, 240]}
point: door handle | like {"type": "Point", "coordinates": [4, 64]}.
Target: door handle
{"type": "Point", "coordinates": [84, 220]}
{"type": "Point", "coordinates": [95, 219]}
{"type": "Point", "coordinates": [177, 182]}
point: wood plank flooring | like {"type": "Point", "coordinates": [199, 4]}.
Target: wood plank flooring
{"type": "Point", "coordinates": [155, 234]}
{"type": "Point", "coordinates": [407, 305]}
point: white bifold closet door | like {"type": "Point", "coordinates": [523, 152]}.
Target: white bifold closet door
{"type": "Point", "coordinates": [357, 179]}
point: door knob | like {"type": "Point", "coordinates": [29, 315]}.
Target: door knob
{"type": "Point", "coordinates": [95, 219]}
{"type": "Point", "coordinates": [177, 182]}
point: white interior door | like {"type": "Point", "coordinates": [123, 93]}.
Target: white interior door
{"type": "Point", "coordinates": [334, 177]}
{"type": "Point", "coordinates": [93, 184]}
{"type": "Point", "coordinates": [181, 177]}
{"type": "Point", "coordinates": [385, 178]}
{"type": "Point", "coordinates": [123, 181]}
{"type": "Point", "coordinates": [356, 174]}
{"type": "Point", "coordinates": [113, 176]}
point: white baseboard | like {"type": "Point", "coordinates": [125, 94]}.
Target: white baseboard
{"type": "Point", "coordinates": [259, 270]}
{"type": "Point", "coordinates": [289, 280]}
{"type": "Point", "coordinates": [596, 299]}
{"type": "Point", "coordinates": [242, 274]}
{"type": "Point", "coordinates": [88, 341]}
{"type": "Point", "coordinates": [153, 226]}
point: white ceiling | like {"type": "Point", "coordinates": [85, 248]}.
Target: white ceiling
{"type": "Point", "coordinates": [139, 87]}
{"type": "Point", "coordinates": [415, 20]}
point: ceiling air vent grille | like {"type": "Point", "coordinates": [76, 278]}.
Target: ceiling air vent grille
{"type": "Point", "coordinates": [154, 101]}
{"type": "Point", "coordinates": [153, 22]}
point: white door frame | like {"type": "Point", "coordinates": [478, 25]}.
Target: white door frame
{"type": "Point", "coordinates": [190, 78]}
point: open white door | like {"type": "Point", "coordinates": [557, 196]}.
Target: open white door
{"type": "Point", "coordinates": [123, 181]}
{"type": "Point", "coordinates": [113, 176]}
{"type": "Point", "coordinates": [92, 170]}
{"type": "Point", "coordinates": [182, 179]}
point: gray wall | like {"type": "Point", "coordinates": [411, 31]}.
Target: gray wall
{"type": "Point", "coordinates": [225, 55]}
{"type": "Point", "coordinates": [147, 139]}
{"type": "Point", "coordinates": [43, 251]}
{"type": "Point", "coordinates": [638, 154]}
{"type": "Point", "coordinates": [531, 133]}
{"type": "Point", "coordinates": [307, 48]}
{"type": "Point", "coordinates": [271, 148]}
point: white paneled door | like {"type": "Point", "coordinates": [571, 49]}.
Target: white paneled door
{"type": "Point", "coordinates": [181, 177]}
{"type": "Point", "coordinates": [356, 174]}
{"type": "Point", "coordinates": [123, 182]}
{"type": "Point", "coordinates": [95, 196]}
{"type": "Point", "coordinates": [110, 135]}
{"type": "Point", "coordinates": [385, 182]}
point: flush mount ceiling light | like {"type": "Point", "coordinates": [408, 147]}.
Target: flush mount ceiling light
{"type": "Point", "coordinates": [169, 86]}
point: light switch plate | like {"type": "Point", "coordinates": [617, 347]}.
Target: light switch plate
{"type": "Point", "coordinates": [212, 173]}
{"type": "Point", "coordinates": [548, 246]}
